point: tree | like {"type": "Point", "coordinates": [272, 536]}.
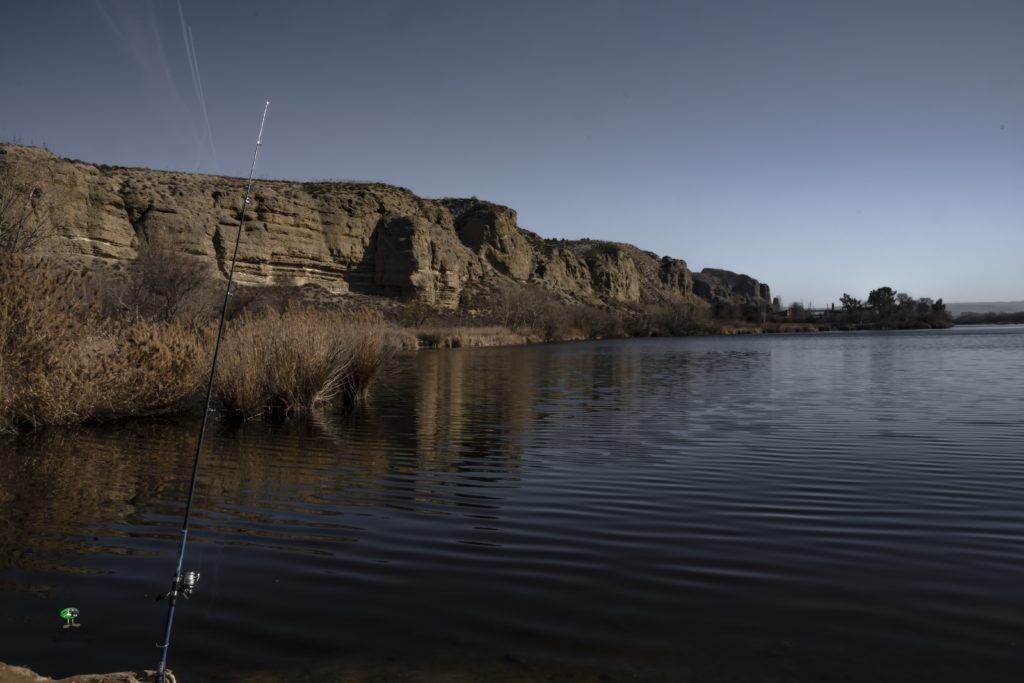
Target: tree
{"type": "Point", "coordinates": [905, 306]}
{"type": "Point", "coordinates": [939, 316]}
{"type": "Point", "coordinates": [850, 303]}
{"type": "Point", "coordinates": [852, 306]}
{"type": "Point", "coordinates": [883, 300]}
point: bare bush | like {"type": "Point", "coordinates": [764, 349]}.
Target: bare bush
{"type": "Point", "coordinates": [29, 202]}
{"type": "Point", "coordinates": [514, 305]}
{"type": "Point", "coordinates": [591, 322]}
{"type": "Point", "coordinates": [165, 285]}
{"type": "Point", "coordinates": [672, 319]}
{"type": "Point", "coordinates": [417, 313]}
{"type": "Point", "coordinates": [529, 306]}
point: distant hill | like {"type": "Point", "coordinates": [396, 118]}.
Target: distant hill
{"type": "Point", "coordinates": [985, 307]}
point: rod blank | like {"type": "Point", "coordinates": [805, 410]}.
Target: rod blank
{"type": "Point", "coordinates": [177, 585]}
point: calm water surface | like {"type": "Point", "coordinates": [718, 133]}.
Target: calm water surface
{"type": "Point", "coordinates": [815, 507]}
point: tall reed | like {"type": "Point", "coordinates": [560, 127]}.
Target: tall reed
{"type": "Point", "coordinates": [289, 362]}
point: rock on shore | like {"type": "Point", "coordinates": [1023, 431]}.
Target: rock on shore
{"type": "Point", "coordinates": [17, 674]}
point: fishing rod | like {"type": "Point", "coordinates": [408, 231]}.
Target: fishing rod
{"type": "Point", "coordinates": [184, 584]}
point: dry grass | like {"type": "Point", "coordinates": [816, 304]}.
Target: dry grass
{"type": "Point", "coordinates": [790, 327]}
{"type": "Point", "coordinates": [466, 337]}
{"type": "Point", "coordinates": [740, 329]}
{"type": "Point", "coordinates": [286, 363]}
{"type": "Point", "coordinates": [63, 363]}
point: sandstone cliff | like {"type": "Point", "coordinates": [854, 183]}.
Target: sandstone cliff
{"type": "Point", "coordinates": [368, 238]}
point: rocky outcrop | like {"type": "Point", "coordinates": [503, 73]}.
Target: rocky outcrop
{"type": "Point", "coordinates": [368, 238]}
{"type": "Point", "coordinates": [722, 286]}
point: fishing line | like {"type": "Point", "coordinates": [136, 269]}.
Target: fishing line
{"type": "Point", "coordinates": [184, 584]}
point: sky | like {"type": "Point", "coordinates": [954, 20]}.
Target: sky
{"type": "Point", "coordinates": [822, 147]}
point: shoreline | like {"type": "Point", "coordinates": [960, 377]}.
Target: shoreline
{"type": "Point", "coordinates": [10, 673]}
{"type": "Point", "coordinates": [372, 343]}
{"type": "Point", "coordinates": [468, 336]}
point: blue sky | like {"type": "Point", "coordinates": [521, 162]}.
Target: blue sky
{"type": "Point", "coordinates": [822, 147]}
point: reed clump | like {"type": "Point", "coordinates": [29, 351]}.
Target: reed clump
{"type": "Point", "coordinates": [459, 336]}
{"type": "Point", "coordinates": [283, 363]}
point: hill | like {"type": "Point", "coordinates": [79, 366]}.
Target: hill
{"type": "Point", "coordinates": [956, 309]}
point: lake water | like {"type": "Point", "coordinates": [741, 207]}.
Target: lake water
{"type": "Point", "coordinates": [841, 506]}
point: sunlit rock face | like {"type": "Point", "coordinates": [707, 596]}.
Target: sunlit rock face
{"type": "Point", "coordinates": [369, 238]}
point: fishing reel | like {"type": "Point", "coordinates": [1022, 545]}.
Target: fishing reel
{"type": "Point", "coordinates": [185, 585]}
{"type": "Point", "coordinates": [188, 583]}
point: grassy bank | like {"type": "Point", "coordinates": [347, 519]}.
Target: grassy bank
{"type": "Point", "coordinates": [65, 359]}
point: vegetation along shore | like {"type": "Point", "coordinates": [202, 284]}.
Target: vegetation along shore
{"type": "Point", "coordinates": [109, 279]}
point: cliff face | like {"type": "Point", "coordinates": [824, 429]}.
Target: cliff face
{"type": "Point", "coordinates": [351, 237]}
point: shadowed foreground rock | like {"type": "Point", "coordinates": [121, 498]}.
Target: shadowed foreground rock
{"type": "Point", "coordinates": [17, 674]}
{"type": "Point", "coordinates": [366, 238]}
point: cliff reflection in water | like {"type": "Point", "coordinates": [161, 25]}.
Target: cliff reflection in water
{"type": "Point", "coordinates": [601, 506]}
{"type": "Point", "coordinates": [443, 438]}
{"type": "Point", "coordinates": [58, 487]}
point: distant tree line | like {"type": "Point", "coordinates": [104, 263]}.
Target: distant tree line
{"type": "Point", "coordinates": [889, 308]}
{"type": "Point", "coordinates": [883, 308]}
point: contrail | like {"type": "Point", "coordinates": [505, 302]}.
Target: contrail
{"type": "Point", "coordinates": [197, 83]}
{"type": "Point", "coordinates": [202, 100]}
{"type": "Point", "coordinates": [188, 50]}
{"type": "Point", "coordinates": [192, 73]}
{"type": "Point", "coordinates": [136, 29]}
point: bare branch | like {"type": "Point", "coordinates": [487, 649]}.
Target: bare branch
{"type": "Point", "coordinates": [29, 204]}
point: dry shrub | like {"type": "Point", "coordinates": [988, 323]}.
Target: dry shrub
{"type": "Point", "coordinates": [164, 284]}
{"type": "Point", "coordinates": [39, 325]}
{"type": "Point", "coordinates": [147, 369]}
{"type": "Point", "coordinates": [60, 363]}
{"type": "Point", "coordinates": [675, 318]}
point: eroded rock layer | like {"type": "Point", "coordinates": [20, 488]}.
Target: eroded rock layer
{"type": "Point", "coordinates": [369, 238]}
